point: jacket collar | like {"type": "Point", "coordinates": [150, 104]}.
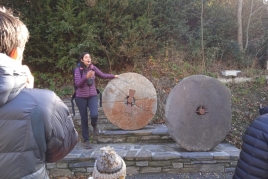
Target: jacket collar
{"type": "Point", "coordinates": [13, 78]}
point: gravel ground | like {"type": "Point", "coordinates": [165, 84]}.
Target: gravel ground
{"type": "Point", "coordinates": [227, 175]}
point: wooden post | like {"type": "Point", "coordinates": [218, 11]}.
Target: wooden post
{"type": "Point", "coordinates": [233, 79]}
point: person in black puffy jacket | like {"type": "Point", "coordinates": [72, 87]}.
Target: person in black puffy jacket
{"type": "Point", "coordinates": [35, 124]}
{"type": "Point", "coordinates": [253, 160]}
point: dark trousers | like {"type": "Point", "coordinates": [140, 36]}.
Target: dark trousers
{"type": "Point", "coordinates": [92, 104]}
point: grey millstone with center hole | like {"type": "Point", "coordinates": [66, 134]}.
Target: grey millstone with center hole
{"type": "Point", "coordinates": [143, 107]}
{"type": "Point", "coordinates": [192, 130]}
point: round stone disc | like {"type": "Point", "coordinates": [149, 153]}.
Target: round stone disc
{"type": "Point", "coordinates": [198, 113]}
{"type": "Point", "coordinates": [115, 101]}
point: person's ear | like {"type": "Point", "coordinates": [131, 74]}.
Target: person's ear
{"type": "Point", "coordinates": [14, 54]}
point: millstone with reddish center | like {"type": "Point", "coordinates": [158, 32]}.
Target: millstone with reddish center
{"type": "Point", "coordinates": [129, 101]}
{"type": "Point", "coordinates": [198, 113]}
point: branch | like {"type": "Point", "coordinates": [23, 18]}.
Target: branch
{"type": "Point", "coordinates": [263, 6]}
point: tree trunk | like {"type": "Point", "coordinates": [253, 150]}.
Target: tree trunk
{"type": "Point", "coordinates": [249, 18]}
{"type": "Point", "coordinates": [239, 22]}
{"type": "Point", "coordinates": [202, 37]}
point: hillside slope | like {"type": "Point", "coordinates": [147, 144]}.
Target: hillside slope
{"type": "Point", "coordinates": [246, 98]}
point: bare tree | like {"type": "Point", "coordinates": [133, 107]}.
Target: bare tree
{"type": "Point", "coordinates": [249, 19]}
{"type": "Point", "coordinates": [202, 35]}
{"type": "Point", "coordinates": [239, 21]}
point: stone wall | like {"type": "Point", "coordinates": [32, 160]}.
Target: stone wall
{"type": "Point", "coordinates": [148, 150]}
{"type": "Point", "coordinates": [150, 158]}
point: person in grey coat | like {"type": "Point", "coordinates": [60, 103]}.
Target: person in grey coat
{"type": "Point", "coordinates": [35, 125]}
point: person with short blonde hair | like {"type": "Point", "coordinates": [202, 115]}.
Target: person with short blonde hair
{"type": "Point", "coordinates": [35, 125]}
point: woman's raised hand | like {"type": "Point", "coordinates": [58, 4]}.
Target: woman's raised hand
{"type": "Point", "coordinates": [90, 73]}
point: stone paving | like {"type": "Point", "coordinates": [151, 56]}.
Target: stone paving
{"type": "Point", "coordinates": [155, 133]}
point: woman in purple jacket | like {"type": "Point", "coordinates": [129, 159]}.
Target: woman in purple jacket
{"type": "Point", "coordinates": [86, 94]}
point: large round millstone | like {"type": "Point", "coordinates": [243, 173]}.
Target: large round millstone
{"type": "Point", "coordinates": [129, 101]}
{"type": "Point", "coordinates": [198, 113]}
